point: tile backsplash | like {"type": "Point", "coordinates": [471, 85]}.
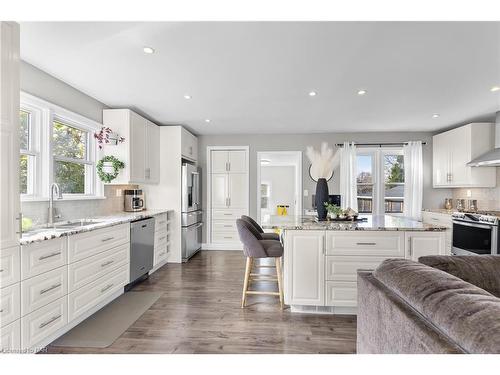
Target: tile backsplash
{"type": "Point", "coordinates": [77, 209]}
{"type": "Point", "coordinates": [488, 199]}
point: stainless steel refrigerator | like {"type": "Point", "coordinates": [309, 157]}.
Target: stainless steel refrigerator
{"type": "Point", "coordinates": [192, 214]}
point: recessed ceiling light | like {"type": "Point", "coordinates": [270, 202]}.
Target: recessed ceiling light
{"type": "Point", "coordinates": [148, 50]}
{"type": "Point", "coordinates": [187, 97]}
{"type": "Point", "coordinates": [207, 120]}
{"type": "Point", "coordinates": [313, 93]}
{"type": "Point", "coordinates": [361, 92]}
{"type": "Point", "coordinates": [495, 88]}
{"type": "Point", "coordinates": [435, 115]}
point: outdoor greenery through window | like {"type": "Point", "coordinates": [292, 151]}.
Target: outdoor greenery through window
{"type": "Point", "coordinates": [26, 158]}
{"type": "Point", "coordinates": [69, 147]}
{"type": "Point", "coordinates": [380, 181]}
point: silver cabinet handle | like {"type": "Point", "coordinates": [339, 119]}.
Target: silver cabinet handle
{"type": "Point", "coordinates": [51, 320]}
{"type": "Point", "coordinates": [226, 167]}
{"type": "Point", "coordinates": [366, 243]}
{"type": "Point", "coordinates": [107, 239]}
{"type": "Point", "coordinates": [229, 166]}
{"type": "Point", "coordinates": [1, 270]}
{"type": "Point", "coordinates": [107, 263]}
{"type": "Point", "coordinates": [228, 226]}
{"type": "Point", "coordinates": [228, 214]}
{"type": "Point", "coordinates": [43, 257]}
{"type": "Point", "coordinates": [106, 288]}
{"type": "Point", "coordinates": [228, 238]}
{"type": "Point", "coordinates": [1, 311]}
{"type": "Point", "coordinates": [43, 291]}
{"type": "Point", "coordinates": [410, 249]}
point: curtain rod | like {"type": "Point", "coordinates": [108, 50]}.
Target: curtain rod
{"type": "Point", "coordinates": [379, 144]}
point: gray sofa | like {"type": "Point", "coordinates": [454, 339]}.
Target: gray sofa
{"type": "Point", "coordinates": [442, 304]}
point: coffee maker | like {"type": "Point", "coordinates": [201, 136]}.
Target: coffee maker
{"type": "Point", "coordinates": [134, 200]}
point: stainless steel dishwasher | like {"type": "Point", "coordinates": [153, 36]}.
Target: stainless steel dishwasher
{"type": "Point", "coordinates": [142, 235]}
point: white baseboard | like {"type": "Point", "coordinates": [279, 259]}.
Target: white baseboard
{"type": "Point", "coordinates": [222, 246]}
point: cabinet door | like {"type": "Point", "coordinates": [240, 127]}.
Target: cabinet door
{"type": "Point", "coordinates": [459, 141]}
{"type": "Point", "coordinates": [137, 148]}
{"type": "Point", "coordinates": [219, 161]}
{"type": "Point", "coordinates": [9, 134]}
{"type": "Point", "coordinates": [220, 190]}
{"type": "Point", "coordinates": [153, 153]}
{"type": "Point", "coordinates": [238, 190]}
{"type": "Point", "coordinates": [237, 161]}
{"type": "Point", "coordinates": [440, 161]}
{"type": "Point", "coordinates": [189, 145]}
{"type": "Point", "coordinates": [305, 268]}
{"type": "Point", "coordinates": [420, 244]}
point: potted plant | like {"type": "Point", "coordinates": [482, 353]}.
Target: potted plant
{"type": "Point", "coordinates": [106, 136]}
{"type": "Point", "coordinates": [333, 210]}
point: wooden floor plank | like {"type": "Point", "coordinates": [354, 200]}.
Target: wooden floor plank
{"type": "Point", "coordinates": [199, 312]}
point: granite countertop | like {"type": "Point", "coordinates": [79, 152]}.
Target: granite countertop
{"type": "Point", "coordinates": [439, 210]}
{"type": "Point", "coordinates": [372, 223]}
{"type": "Point", "coordinates": [38, 234]}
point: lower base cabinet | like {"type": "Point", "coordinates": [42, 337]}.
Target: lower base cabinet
{"type": "Point", "coordinates": [10, 337]}
{"type": "Point", "coordinates": [320, 267]}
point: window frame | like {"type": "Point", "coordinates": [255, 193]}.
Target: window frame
{"type": "Point", "coordinates": [46, 114]}
{"type": "Point", "coordinates": [378, 178]}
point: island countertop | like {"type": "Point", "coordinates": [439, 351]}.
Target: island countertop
{"type": "Point", "coordinates": [372, 223]}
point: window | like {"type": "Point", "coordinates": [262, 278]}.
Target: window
{"type": "Point", "coordinates": [60, 142]}
{"type": "Point", "coordinates": [264, 195]}
{"type": "Point", "coordinates": [28, 154]}
{"type": "Point", "coordinates": [380, 181]}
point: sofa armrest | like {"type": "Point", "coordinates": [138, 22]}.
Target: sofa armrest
{"type": "Point", "coordinates": [481, 271]}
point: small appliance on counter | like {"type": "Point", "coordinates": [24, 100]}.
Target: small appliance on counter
{"type": "Point", "coordinates": [134, 200]}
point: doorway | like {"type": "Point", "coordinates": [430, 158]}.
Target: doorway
{"type": "Point", "coordinates": [279, 182]}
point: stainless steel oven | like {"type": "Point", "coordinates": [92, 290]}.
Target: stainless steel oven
{"type": "Point", "coordinates": [475, 234]}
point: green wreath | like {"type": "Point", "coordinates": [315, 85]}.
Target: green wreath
{"type": "Point", "coordinates": [117, 166]}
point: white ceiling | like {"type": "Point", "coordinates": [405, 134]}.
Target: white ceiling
{"type": "Point", "coordinates": [254, 77]}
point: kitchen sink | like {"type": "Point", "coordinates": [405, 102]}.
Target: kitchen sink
{"type": "Point", "coordinates": [75, 224]}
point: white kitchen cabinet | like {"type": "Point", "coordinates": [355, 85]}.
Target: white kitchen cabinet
{"type": "Point", "coordinates": [10, 269]}
{"type": "Point", "coordinates": [139, 151]}
{"type": "Point", "coordinates": [189, 145]}
{"type": "Point", "coordinates": [220, 191]}
{"type": "Point", "coordinates": [229, 161]}
{"type": "Point", "coordinates": [420, 244]}
{"type": "Point", "coordinates": [452, 150]}
{"type": "Point", "coordinates": [9, 134]}
{"type": "Point", "coordinates": [40, 257]}
{"type": "Point", "coordinates": [237, 190]}
{"type": "Point", "coordinates": [219, 159]}
{"type": "Point", "coordinates": [10, 338]}
{"type": "Point", "coordinates": [305, 262]}
{"type": "Point", "coordinates": [10, 308]}
{"type": "Point", "coordinates": [441, 219]}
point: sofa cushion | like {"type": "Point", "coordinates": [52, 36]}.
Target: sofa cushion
{"type": "Point", "coordinates": [482, 271]}
{"type": "Point", "coordinates": [468, 315]}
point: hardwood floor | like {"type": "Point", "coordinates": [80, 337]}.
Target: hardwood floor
{"type": "Point", "coordinates": [199, 312]}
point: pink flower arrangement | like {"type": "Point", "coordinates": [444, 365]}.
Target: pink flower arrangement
{"type": "Point", "coordinates": [104, 137]}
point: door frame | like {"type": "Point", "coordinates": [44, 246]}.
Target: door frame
{"type": "Point", "coordinates": [298, 178]}
{"type": "Point", "coordinates": [208, 244]}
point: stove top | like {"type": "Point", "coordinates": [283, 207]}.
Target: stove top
{"type": "Point", "coordinates": [477, 217]}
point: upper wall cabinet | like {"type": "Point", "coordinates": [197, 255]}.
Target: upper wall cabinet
{"type": "Point", "coordinates": [141, 150]}
{"type": "Point", "coordinates": [233, 161]}
{"type": "Point", "coordinates": [452, 150]}
{"type": "Point", "coordinates": [189, 145]}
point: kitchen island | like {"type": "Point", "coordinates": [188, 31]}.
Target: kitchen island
{"type": "Point", "coordinates": [321, 259]}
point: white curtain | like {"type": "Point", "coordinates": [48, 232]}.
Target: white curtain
{"type": "Point", "coordinates": [348, 188]}
{"type": "Point", "coordinates": [413, 166]}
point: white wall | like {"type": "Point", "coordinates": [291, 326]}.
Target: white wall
{"type": "Point", "coordinates": [281, 180]}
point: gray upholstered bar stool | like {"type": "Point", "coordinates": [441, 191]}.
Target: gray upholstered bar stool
{"type": "Point", "coordinates": [265, 236]}
{"type": "Point", "coordinates": [256, 247]}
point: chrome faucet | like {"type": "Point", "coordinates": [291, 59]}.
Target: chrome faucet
{"type": "Point", "coordinates": [53, 188]}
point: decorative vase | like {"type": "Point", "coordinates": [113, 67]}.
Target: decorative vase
{"type": "Point", "coordinates": [321, 198]}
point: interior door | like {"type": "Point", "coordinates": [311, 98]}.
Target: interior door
{"type": "Point", "coordinates": [237, 161]}
{"type": "Point", "coordinates": [220, 190]}
{"type": "Point", "coordinates": [219, 161]}
{"type": "Point", "coordinates": [238, 191]}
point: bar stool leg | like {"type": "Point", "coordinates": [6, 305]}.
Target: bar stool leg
{"type": "Point", "coordinates": [248, 270]}
{"type": "Point", "coordinates": [280, 280]}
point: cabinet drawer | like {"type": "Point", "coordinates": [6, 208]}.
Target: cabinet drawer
{"type": "Point", "coordinates": [339, 268]}
{"type": "Point", "coordinates": [40, 257]}
{"type": "Point", "coordinates": [225, 237]}
{"type": "Point", "coordinates": [10, 271]}
{"type": "Point", "coordinates": [161, 237]}
{"type": "Point", "coordinates": [43, 322]}
{"type": "Point", "coordinates": [10, 338]}
{"type": "Point", "coordinates": [92, 294]}
{"type": "Point", "coordinates": [341, 293]}
{"type": "Point", "coordinates": [83, 245]}
{"type": "Point", "coordinates": [373, 243]}
{"type": "Point", "coordinates": [86, 271]}
{"type": "Point", "coordinates": [224, 226]}
{"type": "Point", "coordinates": [161, 222]}
{"type": "Point", "coordinates": [161, 253]}
{"type": "Point", "coordinates": [43, 289]}
{"type": "Point", "coordinates": [10, 304]}
{"type": "Point", "coordinates": [227, 214]}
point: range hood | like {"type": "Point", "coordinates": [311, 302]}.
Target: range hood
{"type": "Point", "coordinates": [491, 158]}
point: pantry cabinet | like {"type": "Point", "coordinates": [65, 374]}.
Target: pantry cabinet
{"type": "Point", "coordinates": [452, 150]}
{"type": "Point", "coordinates": [139, 151]}
{"type": "Point", "coordinates": [189, 145]}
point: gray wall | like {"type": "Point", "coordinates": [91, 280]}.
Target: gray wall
{"type": "Point", "coordinates": [433, 198]}
{"type": "Point", "coordinates": [38, 83]}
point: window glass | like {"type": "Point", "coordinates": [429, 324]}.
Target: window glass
{"type": "Point", "coordinates": [364, 168]}
{"type": "Point", "coordinates": [394, 183]}
{"type": "Point", "coordinates": [24, 129]}
{"type": "Point", "coordinates": [69, 142]}
{"type": "Point", "coordinates": [365, 183]}
{"type": "Point", "coordinates": [70, 177]}
{"type": "Point", "coordinates": [23, 174]}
